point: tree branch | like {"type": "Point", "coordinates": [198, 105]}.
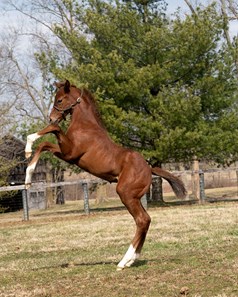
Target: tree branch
{"type": "Point", "coordinates": [190, 6]}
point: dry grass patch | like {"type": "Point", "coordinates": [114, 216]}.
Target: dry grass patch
{"type": "Point", "coordinates": [190, 251]}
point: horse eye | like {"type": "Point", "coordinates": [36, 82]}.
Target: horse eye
{"type": "Point", "coordinates": [59, 101]}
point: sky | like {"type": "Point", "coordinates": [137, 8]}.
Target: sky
{"type": "Point", "coordinates": [173, 6]}
{"type": "Point", "coordinates": [13, 19]}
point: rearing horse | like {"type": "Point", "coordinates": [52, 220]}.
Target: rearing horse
{"type": "Point", "coordinates": [87, 145]}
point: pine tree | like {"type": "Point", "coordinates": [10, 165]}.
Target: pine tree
{"type": "Point", "coordinates": [166, 87]}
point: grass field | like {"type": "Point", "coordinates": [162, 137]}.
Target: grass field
{"type": "Point", "coordinates": [189, 251]}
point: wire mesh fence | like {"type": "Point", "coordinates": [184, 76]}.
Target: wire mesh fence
{"type": "Point", "coordinates": [202, 186]}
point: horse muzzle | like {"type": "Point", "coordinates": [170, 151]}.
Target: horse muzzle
{"type": "Point", "coordinates": [54, 121]}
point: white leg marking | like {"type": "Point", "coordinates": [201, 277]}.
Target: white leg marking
{"type": "Point", "coordinates": [29, 171]}
{"type": "Point", "coordinates": [30, 139]}
{"type": "Point", "coordinates": [129, 258]}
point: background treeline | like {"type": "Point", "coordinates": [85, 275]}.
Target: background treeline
{"type": "Point", "coordinates": [166, 85]}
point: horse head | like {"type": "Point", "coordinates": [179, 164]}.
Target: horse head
{"type": "Point", "coordinates": [66, 98]}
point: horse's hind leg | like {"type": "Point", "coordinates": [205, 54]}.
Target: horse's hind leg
{"type": "Point", "coordinates": [142, 220]}
{"type": "Point", "coordinates": [44, 146]}
{"type": "Point", "coordinates": [132, 202]}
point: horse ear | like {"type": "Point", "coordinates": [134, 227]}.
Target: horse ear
{"type": "Point", "coordinates": [57, 84]}
{"type": "Point", "coordinates": [67, 86]}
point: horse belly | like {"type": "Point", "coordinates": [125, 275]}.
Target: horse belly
{"type": "Point", "coordinates": [98, 167]}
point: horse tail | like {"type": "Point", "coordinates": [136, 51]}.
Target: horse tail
{"type": "Point", "coordinates": [176, 184]}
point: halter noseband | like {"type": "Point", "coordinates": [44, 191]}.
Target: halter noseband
{"type": "Point", "coordinates": [62, 111]}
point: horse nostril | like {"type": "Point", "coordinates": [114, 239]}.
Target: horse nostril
{"type": "Point", "coordinates": [52, 121]}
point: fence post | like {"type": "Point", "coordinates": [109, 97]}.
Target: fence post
{"type": "Point", "coordinates": [195, 178]}
{"type": "Point", "coordinates": [202, 186]}
{"type": "Point", "coordinates": [86, 198]}
{"type": "Point", "coordinates": [25, 205]}
{"type": "Point", "coordinates": [144, 201]}
{"type": "Point", "coordinates": [236, 182]}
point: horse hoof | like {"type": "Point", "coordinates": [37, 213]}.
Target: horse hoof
{"type": "Point", "coordinates": [120, 268]}
{"type": "Point", "coordinates": [27, 154]}
{"type": "Point", "coordinates": [27, 186]}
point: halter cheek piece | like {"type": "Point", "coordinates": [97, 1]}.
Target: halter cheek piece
{"type": "Point", "coordinates": [62, 111]}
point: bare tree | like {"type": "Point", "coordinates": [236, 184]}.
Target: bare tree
{"type": "Point", "coordinates": [27, 81]}
{"type": "Point", "coordinates": [232, 8]}
{"type": "Point", "coordinates": [23, 83]}
{"type": "Point", "coordinates": [26, 84]}
{"type": "Point", "coordinates": [190, 5]}
{"type": "Point", "coordinates": [6, 164]}
{"type": "Point", "coordinates": [229, 14]}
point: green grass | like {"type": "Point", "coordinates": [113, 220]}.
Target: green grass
{"type": "Point", "coordinates": [62, 252]}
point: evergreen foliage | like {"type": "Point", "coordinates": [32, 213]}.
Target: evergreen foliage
{"type": "Point", "coordinates": [165, 86]}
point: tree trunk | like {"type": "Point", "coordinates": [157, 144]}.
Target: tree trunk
{"type": "Point", "coordinates": [60, 195]}
{"type": "Point", "coordinates": [195, 179]}
{"type": "Point", "coordinates": [157, 190]}
{"type": "Point", "coordinates": [49, 191]}
{"type": "Point", "coordinates": [59, 190]}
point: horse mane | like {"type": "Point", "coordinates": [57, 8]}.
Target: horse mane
{"type": "Point", "coordinates": [86, 94]}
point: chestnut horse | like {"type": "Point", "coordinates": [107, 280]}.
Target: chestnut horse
{"type": "Point", "coordinates": [87, 145]}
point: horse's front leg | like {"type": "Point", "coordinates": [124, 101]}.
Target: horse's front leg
{"type": "Point", "coordinates": [33, 137]}
{"type": "Point", "coordinates": [44, 146]}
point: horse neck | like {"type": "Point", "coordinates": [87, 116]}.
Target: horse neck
{"type": "Point", "coordinates": [83, 117]}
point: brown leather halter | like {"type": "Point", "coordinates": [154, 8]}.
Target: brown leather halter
{"type": "Point", "coordinates": [62, 111]}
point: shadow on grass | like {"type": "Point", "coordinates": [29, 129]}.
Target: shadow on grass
{"type": "Point", "coordinates": [117, 208]}
{"type": "Point", "coordinates": [94, 210]}
{"type": "Point", "coordinates": [138, 263]}
{"type": "Point", "coordinates": [189, 202]}
{"type": "Point", "coordinates": [172, 203]}
{"type": "Point", "coordinates": [80, 211]}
